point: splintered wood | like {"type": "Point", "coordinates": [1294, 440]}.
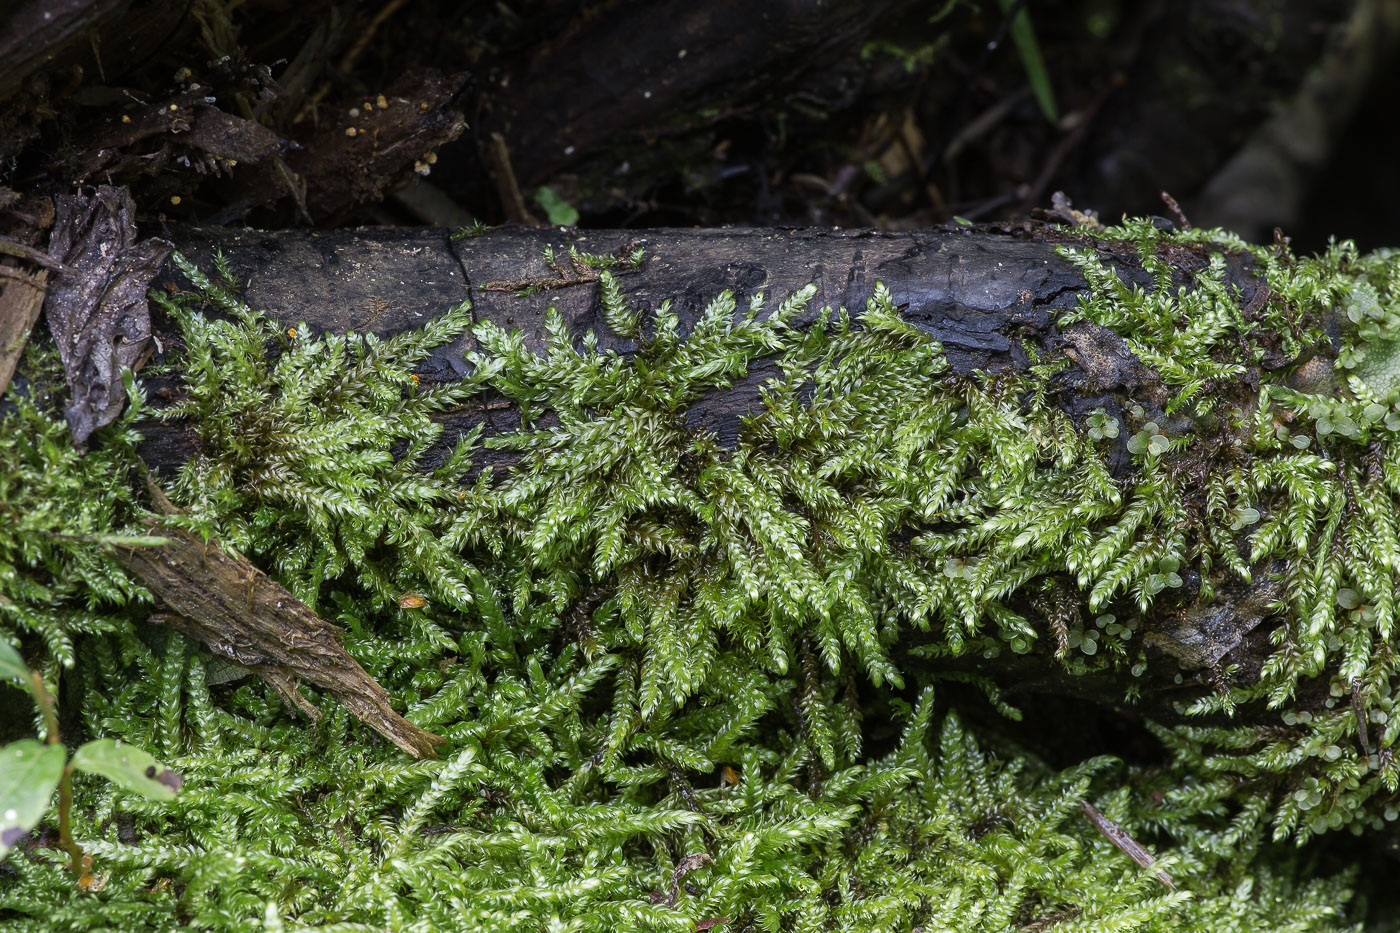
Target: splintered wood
{"type": "Point", "coordinates": [245, 616]}
{"type": "Point", "coordinates": [1120, 838]}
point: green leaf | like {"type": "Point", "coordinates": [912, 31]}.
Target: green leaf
{"type": "Point", "coordinates": [12, 665]}
{"type": "Point", "coordinates": [29, 772]}
{"type": "Point", "coordinates": [128, 767]}
{"type": "Point", "coordinates": [560, 212]}
{"type": "Point", "coordinates": [1023, 34]}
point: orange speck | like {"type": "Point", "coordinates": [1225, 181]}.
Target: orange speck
{"type": "Point", "coordinates": [292, 332]}
{"type": "Point", "coordinates": [175, 199]}
{"type": "Point", "coordinates": [728, 775]}
{"type": "Point", "coordinates": [412, 601]}
{"type": "Point", "coordinates": [126, 118]}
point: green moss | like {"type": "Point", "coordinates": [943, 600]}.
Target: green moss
{"type": "Point", "coordinates": [1313, 468]}
{"type": "Point", "coordinates": [631, 618]}
{"type": "Point", "coordinates": [56, 506]}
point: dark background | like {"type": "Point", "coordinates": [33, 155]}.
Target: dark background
{"type": "Point", "coordinates": [888, 113]}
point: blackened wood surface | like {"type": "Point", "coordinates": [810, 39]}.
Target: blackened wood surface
{"type": "Point", "coordinates": [986, 294]}
{"type": "Point", "coordinates": [978, 292]}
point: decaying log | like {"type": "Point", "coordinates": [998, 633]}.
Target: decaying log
{"type": "Point", "coordinates": [25, 268]}
{"type": "Point", "coordinates": [991, 296]}
{"type": "Point", "coordinates": [988, 295]}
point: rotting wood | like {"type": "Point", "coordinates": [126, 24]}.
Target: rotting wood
{"type": "Point", "coordinates": [25, 270]}
{"type": "Point", "coordinates": [990, 295]}
{"type": "Point", "coordinates": [242, 615]}
{"type": "Point", "coordinates": [21, 298]}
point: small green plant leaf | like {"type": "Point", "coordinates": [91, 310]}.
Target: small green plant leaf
{"type": "Point", "coordinates": [128, 767]}
{"type": "Point", "coordinates": [1023, 35]}
{"type": "Point", "coordinates": [560, 212]}
{"type": "Point", "coordinates": [29, 772]}
{"type": "Point", "coordinates": [12, 665]}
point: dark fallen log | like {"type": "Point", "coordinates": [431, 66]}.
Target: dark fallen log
{"type": "Point", "coordinates": [987, 295]}
{"type": "Point", "coordinates": [990, 296]}
{"type": "Point", "coordinates": [38, 36]}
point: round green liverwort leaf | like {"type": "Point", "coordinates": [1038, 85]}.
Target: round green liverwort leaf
{"type": "Point", "coordinates": [1245, 516]}
{"type": "Point", "coordinates": [128, 767]}
{"type": "Point", "coordinates": [1379, 365]}
{"type": "Point", "coordinates": [29, 772]}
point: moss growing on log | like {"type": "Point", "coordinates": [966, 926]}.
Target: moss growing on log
{"type": "Point", "coordinates": [661, 663]}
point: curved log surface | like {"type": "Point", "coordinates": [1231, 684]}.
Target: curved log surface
{"type": "Point", "coordinates": [987, 294]}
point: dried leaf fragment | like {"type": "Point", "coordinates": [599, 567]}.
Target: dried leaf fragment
{"type": "Point", "coordinates": [96, 307]}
